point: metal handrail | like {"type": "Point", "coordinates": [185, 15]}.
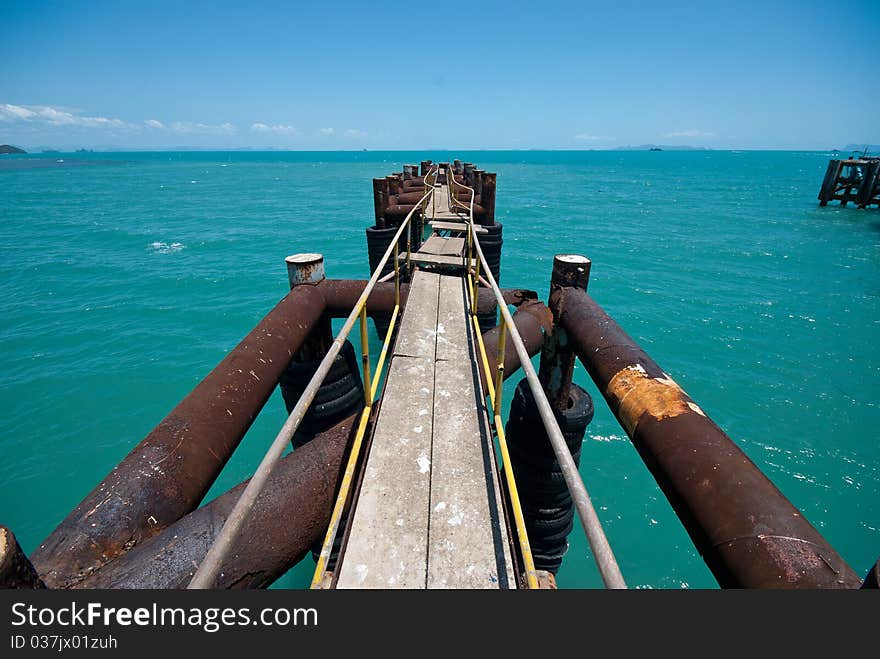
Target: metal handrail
{"type": "Point", "coordinates": [206, 573]}
{"type": "Point", "coordinates": [602, 552]}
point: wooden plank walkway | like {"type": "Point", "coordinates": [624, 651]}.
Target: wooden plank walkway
{"type": "Point", "coordinates": [443, 246]}
{"type": "Point", "coordinates": [438, 207]}
{"type": "Point", "coordinates": [454, 262]}
{"type": "Point", "coordinates": [440, 225]}
{"type": "Point", "coordinates": [429, 512]}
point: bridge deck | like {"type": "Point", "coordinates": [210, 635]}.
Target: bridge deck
{"type": "Point", "coordinates": [429, 512]}
{"type": "Point", "coordinates": [438, 206]}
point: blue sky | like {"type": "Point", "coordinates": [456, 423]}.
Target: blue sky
{"type": "Point", "coordinates": [124, 74]}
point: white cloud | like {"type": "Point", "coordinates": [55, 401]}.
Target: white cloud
{"type": "Point", "coordinates": [15, 113]}
{"type": "Point", "coordinates": [154, 123]}
{"type": "Point", "coordinates": [326, 131]}
{"type": "Point", "coordinates": [354, 132]}
{"type": "Point", "coordinates": [50, 116]}
{"type": "Point", "coordinates": [277, 129]}
{"type": "Point", "coordinates": [593, 138]}
{"type": "Point", "coordinates": [689, 132]}
{"type": "Point", "coordinates": [208, 129]}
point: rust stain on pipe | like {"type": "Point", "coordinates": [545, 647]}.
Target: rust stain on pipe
{"type": "Point", "coordinates": [290, 515]}
{"type": "Point", "coordinates": [166, 475]}
{"type": "Point", "coordinates": [638, 394]}
{"type": "Point", "coordinates": [747, 531]}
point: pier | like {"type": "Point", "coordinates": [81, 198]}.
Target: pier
{"type": "Point", "coordinates": [403, 473]}
{"type": "Point", "coordinates": [855, 180]}
{"type": "Point", "coordinates": [431, 510]}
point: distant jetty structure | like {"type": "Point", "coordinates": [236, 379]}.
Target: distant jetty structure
{"type": "Point", "coordinates": [854, 180]}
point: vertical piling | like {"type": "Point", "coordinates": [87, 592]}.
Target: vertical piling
{"type": "Point", "coordinates": [469, 174]}
{"type": "Point", "coordinates": [394, 184]}
{"type": "Point", "coordinates": [340, 395]}
{"type": "Point", "coordinates": [830, 181]}
{"type": "Point", "coordinates": [557, 358]}
{"type": "Point", "coordinates": [305, 269]}
{"type": "Point", "coordinates": [546, 501]}
{"type": "Point", "coordinates": [487, 197]}
{"type": "Point", "coordinates": [380, 200]}
{"type": "Point", "coordinates": [478, 181]}
{"type": "Point", "coordinates": [869, 182]}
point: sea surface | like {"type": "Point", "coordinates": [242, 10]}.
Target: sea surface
{"type": "Point", "coordinates": [125, 279]}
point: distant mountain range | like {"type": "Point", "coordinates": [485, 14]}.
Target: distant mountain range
{"type": "Point", "coordinates": [872, 148]}
{"type": "Point", "coordinates": [8, 148]}
{"type": "Point", "coordinates": [662, 147]}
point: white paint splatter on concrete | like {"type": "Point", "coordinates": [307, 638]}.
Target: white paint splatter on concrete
{"type": "Point", "coordinates": [424, 464]}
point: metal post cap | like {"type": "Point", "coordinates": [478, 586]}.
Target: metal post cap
{"type": "Point", "coordinates": [570, 270]}
{"type": "Point", "coordinates": [305, 268]}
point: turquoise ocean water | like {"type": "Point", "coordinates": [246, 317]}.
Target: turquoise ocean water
{"type": "Point", "coordinates": [123, 283]}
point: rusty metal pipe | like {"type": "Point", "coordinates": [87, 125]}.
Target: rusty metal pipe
{"type": "Point", "coordinates": [340, 296]}
{"type": "Point", "coordinates": [16, 571]}
{"type": "Point", "coordinates": [748, 532]}
{"type": "Point", "coordinates": [166, 475]}
{"type": "Point", "coordinates": [533, 321]}
{"type": "Point", "coordinates": [288, 518]}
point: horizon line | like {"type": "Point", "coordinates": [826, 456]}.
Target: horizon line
{"type": "Point", "coordinates": [42, 149]}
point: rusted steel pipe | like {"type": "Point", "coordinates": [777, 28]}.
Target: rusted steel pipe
{"type": "Point", "coordinates": [16, 571]}
{"type": "Point", "coordinates": [340, 296]}
{"type": "Point", "coordinates": [533, 321]}
{"type": "Point", "coordinates": [290, 515]}
{"type": "Point", "coordinates": [748, 533]}
{"type": "Point", "coordinates": [167, 474]}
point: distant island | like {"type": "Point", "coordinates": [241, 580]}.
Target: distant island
{"type": "Point", "coordinates": [8, 148]}
{"type": "Point", "coordinates": [661, 147]}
